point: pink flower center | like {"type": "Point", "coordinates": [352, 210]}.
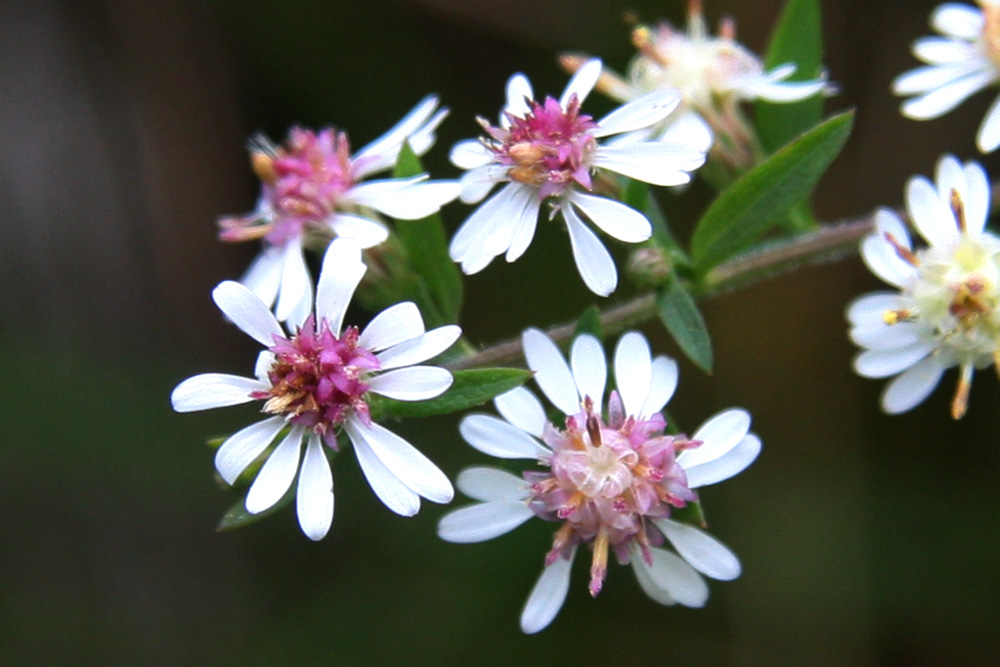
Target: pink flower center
{"type": "Point", "coordinates": [317, 379]}
{"type": "Point", "coordinates": [606, 480]}
{"type": "Point", "coordinates": [302, 182]}
{"type": "Point", "coordinates": [549, 148]}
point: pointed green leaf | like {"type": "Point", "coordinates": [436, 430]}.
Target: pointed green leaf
{"type": "Point", "coordinates": [426, 245]}
{"type": "Point", "coordinates": [470, 388]}
{"type": "Point", "coordinates": [681, 317]}
{"type": "Point", "coordinates": [760, 198]}
{"type": "Point", "coordinates": [590, 323]}
{"type": "Point", "coordinates": [798, 39]}
{"type": "Point", "coordinates": [691, 514]}
{"type": "Point", "coordinates": [237, 516]}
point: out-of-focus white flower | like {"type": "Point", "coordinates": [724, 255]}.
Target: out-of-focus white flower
{"type": "Point", "coordinates": [611, 478]}
{"type": "Point", "coordinates": [312, 190]}
{"type": "Point", "coordinates": [946, 310]}
{"type": "Point", "coordinates": [712, 74]}
{"type": "Point", "coordinates": [314, 382]}
{"type": "Point", "coordinates": [962, 62]}
{"type": "Point", "coordinates": [550, 151]}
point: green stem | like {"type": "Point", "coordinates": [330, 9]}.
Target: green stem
{"type": "Point", "coordinates": [823, 244]}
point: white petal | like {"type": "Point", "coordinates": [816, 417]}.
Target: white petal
{"type": "Point", "coordinates": [494, 214]}
{"type": "Point", "coordinates": [702, 551]}
{"type": "Point", "coordinates": [243, 447]}
{"type": "Point", "coordinates": [869, 308]}
{"type": "Point", "coordinates": [639, 113]}
{"type": "Point", "coordinates": [214, 390]}
{"type": "Point", "coordinates": [483, 521]}
{"type": "Point", "coordinates": [766, 88]}
{"type": "Point", "coordinates": [551, 371]}
{"type": "Point", "coordinates": [883, 363]}
{"type": "Point", "coordinates": [523, 230]}
{"type": "Point", "coordinates": [390, 490]}
{"type": "Point", "coordinates": [882, 336]}
{"type": "Point", "coordinates": [519, 216]}
{"type": "Point", "coordinates": [942, 100]}
{"type": "Point", "coordinates": [424, 137]}
{"type": "Point", "coordinates": [403, 460]}
{"type": "Point", "coordinates": [413, 383]}
{"type": "Point", "coordinates": [547, 597]}
{"type": "Point", "coordinates": [263, 278]}
{"type": "Point", "coordinates": [518, 94]}
{"type": "Point", "coordinates": [363, 231]}
{"type": "Point", "coordinates": [390, 142]}
{"type": "Point", "coordinates": [646, 583]}
{"type": "Point", "coordinates": [957, 20]}
{"type": "Point", "coordinates": [392, 326]}
{"type": "Point", "coordinates": [689, 129]}
{"type": "Point", "coordinates": [988, 137]}
{"type": "Point", "coordinates": [887, 222]}
{"type": "Point", "coordinates": [729, 464]}
{"type": "Point", "coordinates": [493, 485]}
{"type": "Point", "coordinates": [633, 371]}
{"type": "Point", "coordinates": [939, 51]}
{"type": "Point", "coordinates": [314, 497]}
{"type": "Point", "coordinates": [469, 154]}
{"type": "Point", "coordinates": [582, 82]}
{"type": "Point", "coordinates": [520, 407]}
{"type": "Point", "coordinates": [477, 182]}
{"type": "Point", "coordinates": [910, 389]}
{"type": "Point", "coordinates": [590, 368]}
{"type": "Point", "coordinates": [661, 386]}
{"type": "Point", "coordinates": [296, 293]}
{"type": "Point", "coordinates": [247, 312]}
{"type": "Point", "coordinates": [423, 347]}
{"type": "Point", "coordinates": [977, 197]}
{"type": "Point", "coordinates": [932, 218]}
{"type": "Point", "coordinates": [338, 278]}
{"type": "Point", "coordinates": [924, 79]}
{"type": "Point", "coordinates": [718, 435]}
{"type": "Point", "coordinates": [277, 473]}
{"type": "Point", "coordinates": [672, 574]}
{"type": "Point", "coordinates": [616, 219]}
{"type": "Point", "coordinates": [883, 260]}
{"type": "Point", "coordinates": [592, 259]}
{"type": "Point", "coordinates": [498, 438]}
{"type": "Point", "coordinates": [653, 162]}
{"type": "Point", "coordinates": [404, 199]}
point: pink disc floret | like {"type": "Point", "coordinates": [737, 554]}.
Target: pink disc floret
{"type": "Point", "coordinates": [318, 378]}
{"type": "Point", "coordinates": [606, 479]}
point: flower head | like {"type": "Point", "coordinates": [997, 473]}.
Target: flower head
{"type": "Point", "coordinates": [610, 478]}
{"type": "Point", "coordinates": [315, 383]}
{"type": "Point", "coordinates": [550, 151]}
{"type": "Point", "coordinates": [312, 190]}
{"type": "Point", "coordinates": [712, 74]}
{"type": "Point", "coordinates": [946, 310]}
{"type": "Point", "coordinates": [965, 60]}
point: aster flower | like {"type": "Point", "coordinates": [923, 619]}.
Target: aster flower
{"type": "Point", "coordinates": [612, 480]}
{"type": "Point", "coordinates": [712, 75]}
{"type": "Point", "coordinates": [945, 313]}
{"type": "Point", "coordinates": [315, 383]}
{"type": "Point", "coordinates": [550, 151]}
{"type": "Point", "coordinates": [959, 64]}
{"type": "Point", "coordinates": [312, 190]}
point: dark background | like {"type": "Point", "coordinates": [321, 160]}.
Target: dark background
{"type": "Point", "coordinates": [865, 539]}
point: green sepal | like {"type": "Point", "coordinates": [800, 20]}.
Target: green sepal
{"type": "Point", "coordinates": [590, 323]}
{"type": "Point", "coordinates": [426, 245]}
{"type": "Point", "coordinates": [680, 315]}
{"type": "Point", "coordinates": [237, 516]}
{"type": "Point", "coordinates": [764, 195]}
{"type": "Point", "coordinates": [690, 514]}
{"type": "Point", "coordinates": [469, 389]}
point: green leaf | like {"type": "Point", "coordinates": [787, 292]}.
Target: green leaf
{"type": "Point", "coordinates": [798, 38]}
{"type": "Point", "coordinates": [681, 317]}
{"type": "Point", "coordinates": [237, 516]}
{"type": "Point", "coordinates": [590, 323]}
{"type": "Point", "coordinates": [469, 389]}
{"type": "Point", "coordinates": [764, 195]}
{"type": "Point", "coordinates": [691, 514]}
{"type": "Point", "coordinates": [426, 244]}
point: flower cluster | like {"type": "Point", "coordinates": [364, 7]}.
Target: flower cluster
{"type": "Point", "coordinates": [611, 478]}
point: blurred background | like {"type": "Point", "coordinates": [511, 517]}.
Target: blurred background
{"type": "Point", "coordinates": [865, 539]}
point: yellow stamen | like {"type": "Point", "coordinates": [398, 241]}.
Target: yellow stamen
{"type": "Point", "coordinates": [891, 317]}
{"type": "Point", "coordinates": [960, 403]}
{"type": "Point", "coordinates": [904, 253]}
{"type": "Point", "coordinates": [958, 208]}
{"type": "Point", "coordinates": [263, 166]}
{"type": "Point", "coordinates": [599, 564]}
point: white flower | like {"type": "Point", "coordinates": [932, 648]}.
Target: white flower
{"type": "Point", "coordinates": [549, 150]}
{"type": "Point", "coordinates": [962, 62]}
{"type": "Point", "coordinates": [611, 478]}
{"type": "Point", "coordinates": [945, 313]}
{"type": "Point", "coordinates": [312, 190]}
{"type": "Point", "coordinates": [711, 74]}
{"type": "Point", "coordinates": [315, 382]}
